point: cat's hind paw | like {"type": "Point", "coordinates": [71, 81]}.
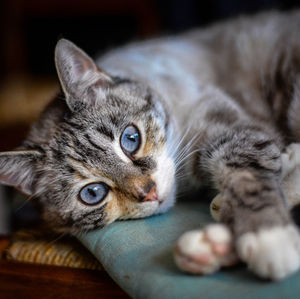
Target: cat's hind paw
{"type": "Point", "coordinates": [272, 253]}
{"type": "Point", "coordinates": [205, 251]}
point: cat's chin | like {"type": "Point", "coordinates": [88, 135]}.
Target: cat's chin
{"type": "Point", "coordinates": [166, 204]}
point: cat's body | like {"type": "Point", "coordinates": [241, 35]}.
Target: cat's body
{"type": "Point", "coordinates": [230, 93]}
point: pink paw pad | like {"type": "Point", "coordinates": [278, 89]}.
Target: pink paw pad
{"type": "Point", "coordinates": [205, 251]}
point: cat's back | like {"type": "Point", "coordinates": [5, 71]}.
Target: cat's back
{"type": "Point", "coordinates": [248, 46]}
{"type": "Point", "coordinates": [239, 50]}
{"type": "Point", "coordinates": [253, 58]}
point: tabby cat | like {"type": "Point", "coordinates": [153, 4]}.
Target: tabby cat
{"type": "Point", "coordinates": [214, 107]}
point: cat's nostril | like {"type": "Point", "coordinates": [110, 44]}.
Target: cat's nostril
{"type": "Point", "coordinates": [149, 186]}
{"type": "Point", "coordinates": [152, 194]}
{"type": "Point", "coordinates": [147, 192]}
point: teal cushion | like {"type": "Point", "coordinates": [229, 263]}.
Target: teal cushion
{"type": "Point", "coordinates": [138, 256]}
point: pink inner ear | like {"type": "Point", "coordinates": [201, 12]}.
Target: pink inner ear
{"type": "Point", "coordinates": [84, 65]}
{"type": "Point", "coordinates": [8, 180]}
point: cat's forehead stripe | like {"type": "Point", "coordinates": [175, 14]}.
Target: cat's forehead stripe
{"type": "Point", "coordinates": [104, 130]}
{"type": "Point", "coordinates": [75, 125]}
{"type": "Point", "coordinates": [84, 172]}
{"type": "Point", "coordinates": [94, 144]}
{"type": "Point", "coordinates": [78, 165]}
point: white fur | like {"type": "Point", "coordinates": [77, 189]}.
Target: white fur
{"type": "Point", "coordinates": [190, 243]}
{"type": "Point", "coordinates": [218, 233]}
{"type": "Point", "coordinates": [290, 159]}
{"type": "Point", "coordinates": [272, 253]}
{"type": "Point", "coordinates": [291, 173]}
{"type": "Point", "coordinates": [164, 177]}
{"type": "Point", "coordinates": [196, 250]}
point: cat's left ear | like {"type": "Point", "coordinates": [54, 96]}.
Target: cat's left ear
{"type": "Point", "coordinates": [77, 72]}
{"type": "Point", "coordinates": [17, 169]}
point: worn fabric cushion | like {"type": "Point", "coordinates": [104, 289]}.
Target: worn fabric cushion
{"type": "Point", "coordinates": [138, 256]}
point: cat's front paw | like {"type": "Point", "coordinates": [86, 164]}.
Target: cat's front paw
{"type": "Point", "coordinates": [272, 253]}
{"type": "Point", "coordinates": [205, 251]}
{"type": "Point", "coordinates": [290, 158]}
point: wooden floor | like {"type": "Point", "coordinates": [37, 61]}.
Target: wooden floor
{"type": "Point", "coordinates": [20, 280]}
{"type": "Point", "coordinates": [25, 280]}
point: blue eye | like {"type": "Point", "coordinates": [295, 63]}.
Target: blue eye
{"type": "Point", "coordinates": [130, 139]}
{"type": "Point", "coordinates": [93, 193]}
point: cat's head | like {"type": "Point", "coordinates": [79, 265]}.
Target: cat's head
{"type": "Point", "coordinates": [100, 153]}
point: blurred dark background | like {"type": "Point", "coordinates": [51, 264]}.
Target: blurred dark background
{"type": "Point", "coordinates": [29, 30]}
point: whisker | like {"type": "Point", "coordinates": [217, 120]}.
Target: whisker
{"type": "Point", "coordinates": [178, 141]}
{"type": "Point", "coordinates": [180, 163]}
{"type": "Point", "coordinates": [187, 147]}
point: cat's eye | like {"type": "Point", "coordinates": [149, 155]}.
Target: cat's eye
{"type": "Point", "coordinates": [94, 193]}
{"type": "Point", "coordinates": [130, 140]}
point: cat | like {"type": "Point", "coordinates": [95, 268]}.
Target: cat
{"type": "Point", "coordinates": [211, 107]}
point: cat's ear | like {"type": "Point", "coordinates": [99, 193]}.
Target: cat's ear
{"type": "Point", "coordinates": [77, 71]}
{"type": "Point", "coordinates": [17, 168]}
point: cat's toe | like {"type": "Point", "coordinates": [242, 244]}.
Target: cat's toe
{"type": "Point", "coordinates": [290, 158]}
{"type": "Point", "coordinates": [205, 251]}
{"type": "Point", "coordinates": [272, 253]}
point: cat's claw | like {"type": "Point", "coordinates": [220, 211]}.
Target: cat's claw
{"type": "Point", "coordinates": [215, 207]}
{"type": "Point", "coordinates": [205, 251]}
{"type": "Point", "coordinates": [272, 253]}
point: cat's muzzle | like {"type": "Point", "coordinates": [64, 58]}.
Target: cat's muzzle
{"type": "Point", "coordinates": [148, 193]}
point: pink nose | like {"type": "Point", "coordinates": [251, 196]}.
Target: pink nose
{"type": "Point", "coordinates": [152, 195]}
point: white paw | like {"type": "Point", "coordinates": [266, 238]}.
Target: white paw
{"type": "Point", "coordinates": [271, 253]}
{"type": "Point", "coordinates": [291, 158]}
{"type": "Point", "coordinates": [205, 251]}
{"type": "Point", "coordinates": [291, 173]}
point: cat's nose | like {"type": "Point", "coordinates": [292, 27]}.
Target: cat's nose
{"type": "Point", "coordinates": [148, 192]}
{"type": "Point", "coordinates": [151, 195]}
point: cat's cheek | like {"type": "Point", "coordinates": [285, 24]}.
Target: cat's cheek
{"type": "Point", "coordinates": [113, 210]}
{"type": "Point", "coordinates": [120, 207]}
{"type": "Point", "coordinates": [168, 202]}
{"type": "Point", "coordinates": [133, 209]}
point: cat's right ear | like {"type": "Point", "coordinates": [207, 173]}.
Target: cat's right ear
{"type": "Point", "coordinates": [77, 72]}
{"type": "Point", "coordinates": [17, 169]}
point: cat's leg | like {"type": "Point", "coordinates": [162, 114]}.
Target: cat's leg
{"type": "Point", "coordinates": [243, 161]}
{"type": "Point", "coordinates": [195, 251]}
{"type": "Point", "coordinates": [254, 207]}
{"type": "Point", "coordinates": [290, 177]}
{"type": "Point", "coordinates": [291, 174]}
{"type": "Point", "coordinates": [266, 238]}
